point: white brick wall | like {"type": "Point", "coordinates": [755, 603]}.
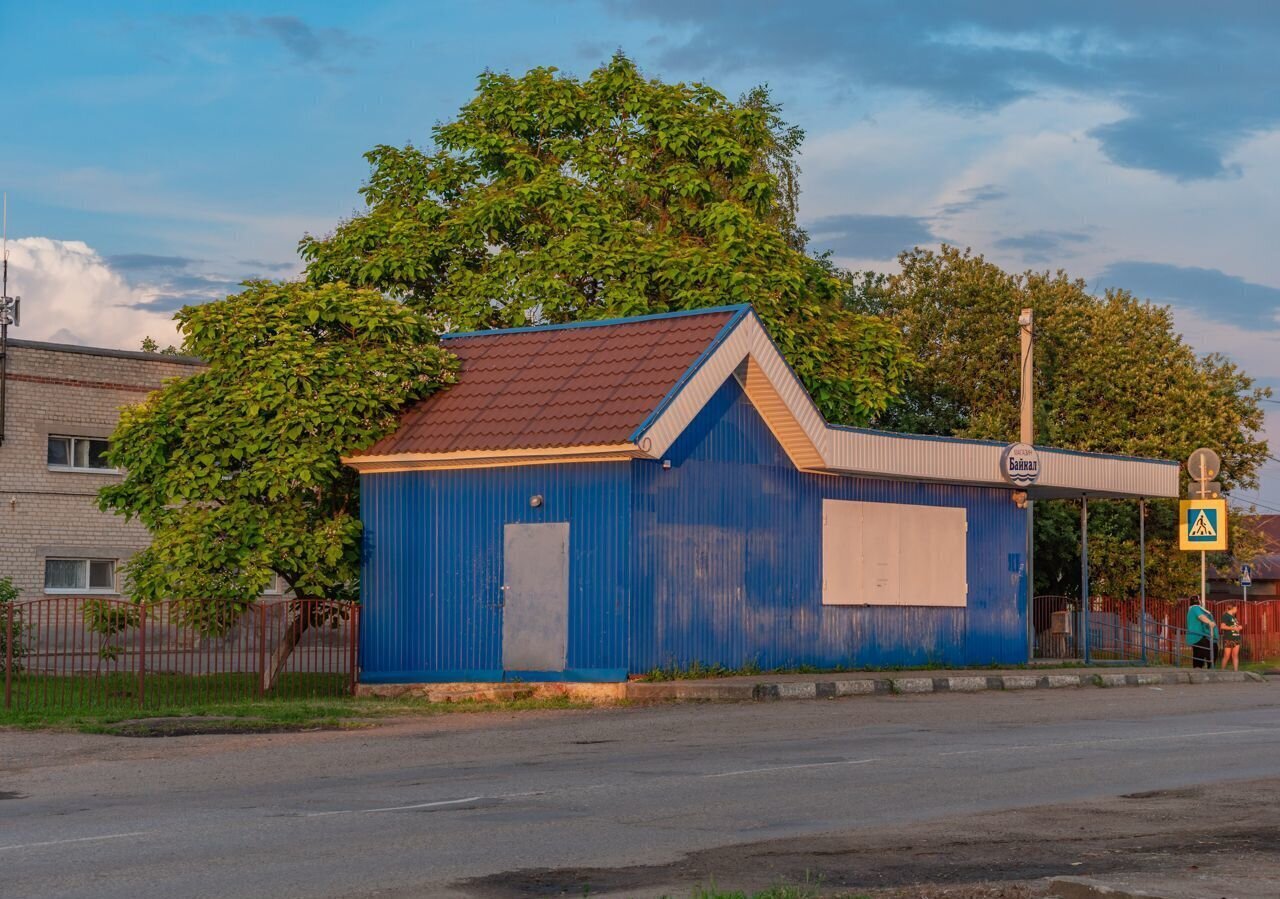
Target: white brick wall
{"type": "Point", "coordinates": [75, 392]}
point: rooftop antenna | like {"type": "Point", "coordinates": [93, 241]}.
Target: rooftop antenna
{"type": "Point", "coordinates": [9, 307]}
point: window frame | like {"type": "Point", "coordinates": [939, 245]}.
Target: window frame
{"type": "Point", "coordinates": [113, 590]}
{"type": "Point", "coordinates": [71, 454]}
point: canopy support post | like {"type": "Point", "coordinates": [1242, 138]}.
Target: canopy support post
{"type": "Point", "coordinates": [1084, 578]}
{"type": "Point", "coordinates": [1142, 573]}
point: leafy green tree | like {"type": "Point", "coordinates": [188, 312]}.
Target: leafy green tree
{"type": "Point", "coordinates": [1111, 375]}
{"type": "Point", "coordinates": [553, 199]}
{"type": "Point", "coordinates": [236, 470]}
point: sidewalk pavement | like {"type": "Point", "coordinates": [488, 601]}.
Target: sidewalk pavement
{"type": "Point", "coordinates": [767, 687]}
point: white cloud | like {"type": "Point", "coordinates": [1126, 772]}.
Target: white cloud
{"type": "Point", "coordinates": [70, 294]}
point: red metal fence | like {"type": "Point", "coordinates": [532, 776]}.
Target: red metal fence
{"type": "Point", "coordinates": [70, 651]}
{"type": "Point", "coordinates": [1117, 629]}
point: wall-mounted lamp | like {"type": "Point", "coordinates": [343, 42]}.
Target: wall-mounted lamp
{"type": "Point", "coordinates": [535, 500]}
{"type": "Point", "coordinates": [1020, 498]}
{"type": "Point", "coordinates": [666, 464]}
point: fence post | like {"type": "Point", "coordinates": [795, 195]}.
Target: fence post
{"type": "Point", "coordinates": [355, 637]}
{"type": "Point", "coordinates": [142, 654]}
{"type": "Point", "coordinates": [262, 648]}
{"type": "Point", "coordinates": [8, 654]}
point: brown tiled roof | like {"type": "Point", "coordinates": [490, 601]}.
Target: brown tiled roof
{"type": "Point", "coordinates": [578, 385]}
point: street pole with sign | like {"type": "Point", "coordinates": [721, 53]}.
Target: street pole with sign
{"type": "Point", "coordinates": [1204, 465]}
{"type": "Point", "coordinates": [1203, 518]}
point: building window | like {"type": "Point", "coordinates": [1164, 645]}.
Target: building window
{"type": "Point", "coordinates": [79, 575]}
{"type": "Point", "coordinates": [78, 453]}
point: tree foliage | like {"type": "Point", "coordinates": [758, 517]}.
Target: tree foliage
{"type": "Point", "coordinates": [237, 469]}
{"type": "Point", "coordinates": [552, 199]}
{"type": "Point", "coordinates": [1111, 375]}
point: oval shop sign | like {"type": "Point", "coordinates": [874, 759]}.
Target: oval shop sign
{"type": "Point", "coordinates": [1020, 464]}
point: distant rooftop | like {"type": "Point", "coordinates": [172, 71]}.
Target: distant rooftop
{"type": "Point", "coordinates": [103, 351]}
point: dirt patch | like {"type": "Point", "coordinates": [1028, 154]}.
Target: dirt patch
{"type": "Point", "coordinates": [10, 794]}
{"type": "Point", "coordinates": [1008, 854]}
{"type": "Point", "coordinates": [202, 725]}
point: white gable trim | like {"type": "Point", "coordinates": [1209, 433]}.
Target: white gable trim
{"type": "Point", "coordinates": [747, 340]}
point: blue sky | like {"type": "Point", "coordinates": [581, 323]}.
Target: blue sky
{"type": "Point", "coordinates": [156, 153]}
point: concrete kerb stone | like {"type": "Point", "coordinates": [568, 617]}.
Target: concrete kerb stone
{"type": "Point", "coordinates": [967, 684]}
{"type": "Point", "coordinates": [860, 687]}
{"type": "Point", "coordinates": [912, 684]}
{"type": "Point", "coordinates": [1054, 681]}
{"type": "Point", "coordinates": [1019, 682]}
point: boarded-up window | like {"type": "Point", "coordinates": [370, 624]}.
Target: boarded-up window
{"type": "Point", "coordinates": [893, 554]}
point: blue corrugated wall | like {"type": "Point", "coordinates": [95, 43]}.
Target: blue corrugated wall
{"type": "Point", "coordinates": [432, 568]}
{"type": "Point", "coordinates": [716, 560]}
{"type": "Point", "coordinates": [727, 550]}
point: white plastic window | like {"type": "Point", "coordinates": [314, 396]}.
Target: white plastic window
{"type": "Point", "coordinates": [79, 576]}
{"type": "Point", "coordinates": [78, 454]}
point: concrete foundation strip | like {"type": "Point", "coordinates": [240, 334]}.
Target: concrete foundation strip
{"type": "Point", "coordinates": [824, 687]}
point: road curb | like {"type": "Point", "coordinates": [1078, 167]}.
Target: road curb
{"type": "Point", "coordinates": [826, 687]}
{"type": "Point", "coordinates": [905, 685]}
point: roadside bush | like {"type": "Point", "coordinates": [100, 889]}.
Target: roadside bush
{"type": "Point", "coordinates": [8, 594]}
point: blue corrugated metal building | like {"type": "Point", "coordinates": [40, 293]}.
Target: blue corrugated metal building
{"type": "Point", "coordinates": [599, 500]}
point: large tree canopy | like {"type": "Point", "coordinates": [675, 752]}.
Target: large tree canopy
{"type": "Point", "coordinates": [553, 199]}
{"type": "Point", "coordinates": [237, 469]}
{"type": "Point", "coordinates": [1111, 375]}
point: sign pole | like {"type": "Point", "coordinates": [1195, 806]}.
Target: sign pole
{"type": "Point", "coordinates": [1204, 480]}
{"type": "Point", "coordinates": [1027, 435]}
{"type": "Point", "coordinates": [1204, 520]}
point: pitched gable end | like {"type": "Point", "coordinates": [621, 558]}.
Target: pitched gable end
{"type": "Point", "coordinates": [749, 355]}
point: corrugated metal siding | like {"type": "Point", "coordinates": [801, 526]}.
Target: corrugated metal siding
{"type": "Point", "coordinates": [432, 566]}
{"type": "Point", "coordinates": [1083, 472]}
{"type": "Point", "coordinates": [727, 560]}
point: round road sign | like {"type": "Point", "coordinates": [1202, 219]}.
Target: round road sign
{"type": "Point", "coordinates": [1204, 464]}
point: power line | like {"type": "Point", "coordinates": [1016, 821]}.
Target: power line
{"type": "Point", "coordinates": [1253, 502]}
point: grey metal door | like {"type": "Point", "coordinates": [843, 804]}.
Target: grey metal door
{"type": "Point", "coordinates": [535, 615]}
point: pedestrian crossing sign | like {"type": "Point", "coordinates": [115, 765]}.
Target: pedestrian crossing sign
{"type": "Point", "coordinates": [1203, 524]}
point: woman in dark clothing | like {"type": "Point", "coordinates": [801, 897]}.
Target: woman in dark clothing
{"type": "Point", "coordinates": [1230, 630]}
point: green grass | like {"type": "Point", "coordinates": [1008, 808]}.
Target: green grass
{"type": "Point", "coordinates": [100, 704]}
{"type": "Point", "coordinates": [164, 690]}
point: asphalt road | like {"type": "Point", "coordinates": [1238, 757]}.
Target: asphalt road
{"type": "Point", "coordinates": [423, 807]}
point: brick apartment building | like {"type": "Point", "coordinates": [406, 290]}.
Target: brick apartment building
{"type": "Point", "coordinates": [62, 404]}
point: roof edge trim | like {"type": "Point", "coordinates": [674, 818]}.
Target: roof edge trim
{"type": "Point", "coordinates": [741, 312]}
{"type": "Point", "coordinates": [476, 458]}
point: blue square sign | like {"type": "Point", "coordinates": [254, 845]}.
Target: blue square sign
{"type": "Point", "coordinates": [1202, 525]}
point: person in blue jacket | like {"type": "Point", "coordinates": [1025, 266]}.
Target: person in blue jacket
{"type": "Point", "coordinates": [1200, 628]}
